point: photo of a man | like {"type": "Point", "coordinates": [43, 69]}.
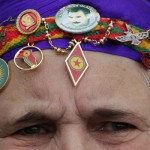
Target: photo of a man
{"type": "Point", "coordinates": [78, 16]}
{"type": "Point", "coordinates": [27, 21]}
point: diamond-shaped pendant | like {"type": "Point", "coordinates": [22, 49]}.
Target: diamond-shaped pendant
{"type": "Point", "coordinates": [76, 64]}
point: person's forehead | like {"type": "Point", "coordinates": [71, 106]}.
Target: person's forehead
{"type": "Point", "coordinates": [112, 71]}
{"type": "Point", "coordinates": [110, 81]}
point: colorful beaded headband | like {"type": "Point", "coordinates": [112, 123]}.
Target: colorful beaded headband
{"type": "Point", "coordinates": [31, 28]}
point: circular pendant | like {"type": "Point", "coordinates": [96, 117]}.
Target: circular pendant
{"type": "Point", "coordinates": [25, 59]}
{"type": "Point", "coordinates": [77, 18]}
{"type": "Point", "coordinates": [4, 73]}
{"type": "Point", "coordinates": [28, 21]}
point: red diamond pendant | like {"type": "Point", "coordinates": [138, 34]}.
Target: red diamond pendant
{"type": "Point", "coordinates": [76, 64]}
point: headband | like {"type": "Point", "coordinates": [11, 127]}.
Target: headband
{"type": "Point", "coordinates": [134, 40]}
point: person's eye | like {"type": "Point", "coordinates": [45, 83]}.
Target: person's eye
{"type": "Point", "coordinates": [116, 127]}
{"type": "Point", "coordinates": [114, 132]}
{"type": "Point", "coordinates": [33, 130]}
{"type": "Point", "coordinates": [34, 135]}
{"type": "Point", "coordinates": [36, 130]}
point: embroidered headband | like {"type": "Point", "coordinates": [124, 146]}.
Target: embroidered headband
{"type": "Point", "coordinates": [12, 38]}
{"type": "Point", "coordinates": [31, 28]}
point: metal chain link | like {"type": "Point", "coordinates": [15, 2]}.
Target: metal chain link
{"type": "Point", "coordinates": [58, 50]}
{"type": "Point", "coordinates": [73, 42]}
{"type": "Point", "coordinates": [101, 41]}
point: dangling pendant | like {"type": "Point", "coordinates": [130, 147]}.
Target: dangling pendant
{"type": "Point", "coordinates": [25, 59]}
{"type": "Point", "coordinates": [27, 23]}
{"type": "Point", "coordinates": [76, 64]}
{"type": "Point", "coordinates": [4, 73]}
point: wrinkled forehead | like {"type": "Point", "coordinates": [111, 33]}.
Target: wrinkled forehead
{"type": "Point", "coordinates": [111, 83]}
{"type": "Point", "coordinates": [110, 79]}
{"type": "Point", "coordinates": [109, 76]}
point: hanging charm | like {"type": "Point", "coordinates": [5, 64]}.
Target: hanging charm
{"type": "Point", "coordinates": [76, 64]}
{"type": "Point", "coordinates": [28, 21]}
{"type": "Point", "coordinates": [4, 73]}
{"type": "Point", "coordinates": [29, 59]}
{"type": "Point", "coordinates": [134, 38]}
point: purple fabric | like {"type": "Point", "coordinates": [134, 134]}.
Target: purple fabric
{"type": "Point", "coordinates": [109, 48]}
{"type": "Point", "coordinates": [135, 12]}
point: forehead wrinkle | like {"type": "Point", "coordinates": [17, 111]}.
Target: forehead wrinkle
{"type": "Point", "coordinates": [41, 85]}
{"type": "Point", "coordinates": [104, 87]}
{"type": "Point", "coordinates": [104, 79]}
{"type": "Point", "coordinates": [52, 110]}
{"type": "Point", "coordinates": [36, 83]}
{"type": "Point", "coordinates": [125, 84]}
{"type": "Point", "coordinates": [36, 90]}
{"type": "Point", "coordinates": [146, 75]}
{"type": "Point", "coordinates": [94, 91]}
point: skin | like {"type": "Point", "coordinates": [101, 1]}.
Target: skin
{"type": "Point", "coordinates": [78, 18]}
{"type": "Point", "coordinates": [108, 110]}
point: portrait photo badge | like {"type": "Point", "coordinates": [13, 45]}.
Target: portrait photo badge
{"type": "Point", "coordinates": [28, 21]}
{"type": "Point", "coordinates": [77, 18]}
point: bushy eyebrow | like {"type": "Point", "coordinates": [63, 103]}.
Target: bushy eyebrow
{"type": "Point", "coordinates": [102, 113]}
{"type": "Point", "coordinates": [115, 114]}
{"type": "Point", "coordinates": [28, 119]}
{"type": "Point", "coordinates": [33, 116]}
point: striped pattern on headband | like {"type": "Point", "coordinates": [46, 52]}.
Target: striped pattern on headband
{"type": "Point", "coordinates": [11, 38]}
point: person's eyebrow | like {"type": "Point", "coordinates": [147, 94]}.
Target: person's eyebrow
{"type": "Point", "coordinates": [32, 117]}
{"type": "Point", "coordinates": [29, 119]}
{"type": "Point", "coordinates": [114, 114]}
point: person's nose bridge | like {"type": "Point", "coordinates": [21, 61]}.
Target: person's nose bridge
{"type": "Point", "coordinates": [73, 137]}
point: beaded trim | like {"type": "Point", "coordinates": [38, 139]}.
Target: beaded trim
{"type": "Point", "coordinates": [11, 38]}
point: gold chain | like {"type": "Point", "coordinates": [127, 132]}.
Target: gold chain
{"type": "Point", "coordinates": [58, 50]}
{"type": "Point", "coordinates": [73, 42]}
{"type": "Point", "coordinates": [101, 41]}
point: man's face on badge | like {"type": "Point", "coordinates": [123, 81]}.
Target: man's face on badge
{"type": "Point", "coordinates": [27, 21]}
{"type": "Point", "coordinates": [78, 18]}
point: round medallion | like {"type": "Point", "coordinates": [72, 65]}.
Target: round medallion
{"type": "Point", "coordinates": [28, 21]}
{"type": "Point", "coordinates": [4, 73]}
{"type": "Point", "coordinates": [77, 63]}
{"type": "Point", "coordinates": [25, 59]}
{"type": "Point", "coordinates": [77, 18]}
